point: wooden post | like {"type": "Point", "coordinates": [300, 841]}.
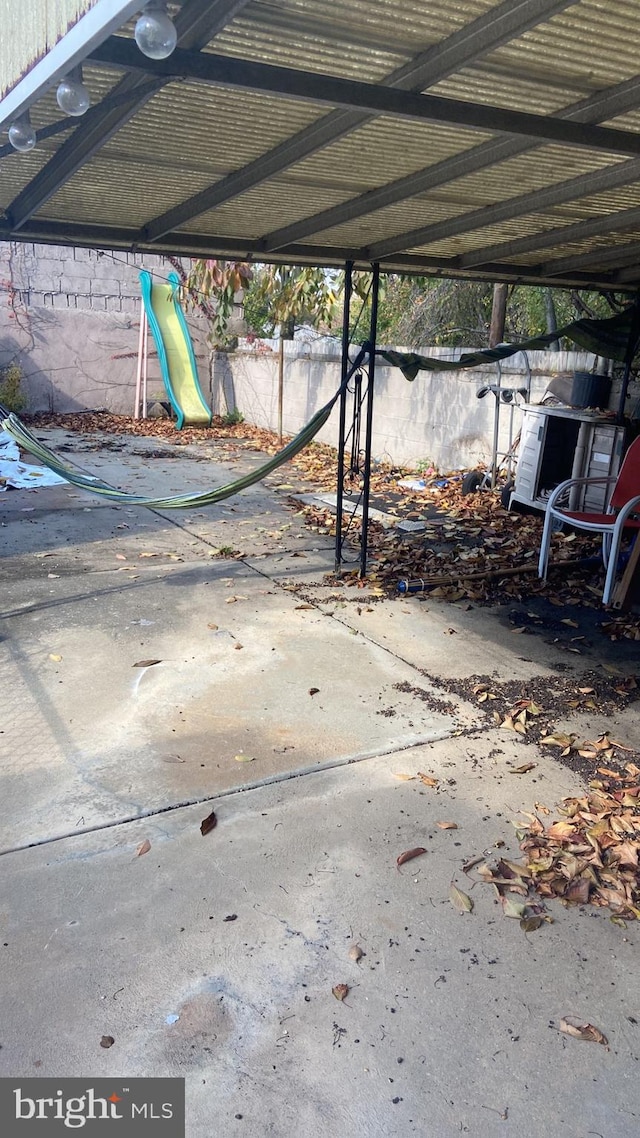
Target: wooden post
{"type": "Point", "coordinates": [498, 314]}
{"type": "Point", "coordinates": [136, 405]}
{"type": "Point", "coordinates": [619, 598]}
{"type": "Point", "coordinates": [280, 383]}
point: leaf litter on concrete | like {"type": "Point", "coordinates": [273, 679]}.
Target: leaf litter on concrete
{"type": "Point", "coordinates": [588, 855]}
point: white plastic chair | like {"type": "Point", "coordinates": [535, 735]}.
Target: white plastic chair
{"type": "Point", "coordinates": [622, 513]}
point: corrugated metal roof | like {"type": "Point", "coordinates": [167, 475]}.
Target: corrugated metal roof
{"type": "Point", "coordinates": [213, 128]}
{"type": "Point", "coordinates": [260, 165]}
{"type": "Point", "coordinates": [362, 39]}
{"type": "Point", "coordinates": [264, 208]}
{"type": "Point", "coordinates": [385, 149]}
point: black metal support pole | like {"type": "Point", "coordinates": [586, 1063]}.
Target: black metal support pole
{"type": "Point", "coordinates": [371, 345]}
{"type": "Point", "coordinates": [346, 315]}
{"type": "Point", "coordinates": [634, 336]}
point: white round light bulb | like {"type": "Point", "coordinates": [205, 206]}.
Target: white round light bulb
{"type": "Point", "coordinates": [22, 136]}
{"type": "Point", "coordinates": [155, 33]}
{"type": "Point", "coordinates": [72, 95]}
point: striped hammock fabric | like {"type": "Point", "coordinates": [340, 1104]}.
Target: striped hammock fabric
{"type": "Point", "coordinates": [18, 431]}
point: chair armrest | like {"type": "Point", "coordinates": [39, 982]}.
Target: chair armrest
{"type": "Point", "coordinates": [569, 482]}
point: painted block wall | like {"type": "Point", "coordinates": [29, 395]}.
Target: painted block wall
{"type": "Point", "coordinates": [436, 418]}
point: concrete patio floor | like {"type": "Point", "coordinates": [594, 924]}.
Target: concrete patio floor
{"type": "Point", "coordinates": [279, 709]}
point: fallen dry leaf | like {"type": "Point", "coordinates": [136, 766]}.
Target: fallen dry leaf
{"type": "Point", "coordinates": [244, 758]}
{"type": "Point", "coordinates": [143, 848]}
{"type": "Point", "coordinates": [145, 663]}
{"type": "Point", "coordinates": [409, 855]}
{"type": "Point", "coordinates": [208, 824]}
{"type": "Point", "coordinates": [558, 739]}
{"type": "Point", "coordinates": [522, 769]}
{"type": "Point", "coordinates": [340, 991]}
{"type": "Point", "coordinates": [460, 901]}
{"type": "Point", "coordinates": [428, 779]}
{"type": "Point", "coordinates": [585, 1031]}
{"type": "Point", "coordinates": [447, 825]}
{"type": "Point", "coordinates": [530, 924]}
{"type": "Point", "coordinates": [512, 908]}
{"type": "Point", "coordinates": [404, 777]}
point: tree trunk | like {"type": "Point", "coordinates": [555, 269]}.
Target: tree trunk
{"type": "Point", "coordinates": [551, 318]}
{"type": "Point", "coordinates": [287, 328]}
{"type": "Point", "coordinates": [498, 314]}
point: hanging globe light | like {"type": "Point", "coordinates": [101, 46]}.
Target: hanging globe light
{"type": "Point", "coordinates": [22, 136]}
{"type": "Point", "coordinates": [72, 95]}
{"type": "Point", "coordinates": [155, 32]}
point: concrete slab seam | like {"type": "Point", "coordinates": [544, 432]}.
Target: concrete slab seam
{"type": "Point", "coordinates": [257, 784]}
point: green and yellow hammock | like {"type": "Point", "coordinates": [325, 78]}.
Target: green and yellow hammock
{"type": "Point", "coordinates": [22, 435]}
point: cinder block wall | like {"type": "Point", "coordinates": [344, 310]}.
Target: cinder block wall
{"type": "Point", "coordinates": [71, 319]}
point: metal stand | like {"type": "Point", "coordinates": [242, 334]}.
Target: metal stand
{"type": "Point", "coordinates": [143, 368]}
{"type": "Point", "coordinates": [363, 369]}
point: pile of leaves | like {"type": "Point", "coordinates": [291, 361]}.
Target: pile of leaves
{"type": "Point", "coordinates": [473, 550]}
{"type": "Point", "coordinates": [104, 423]}
{"type": "Point", "coordinates": [588, 856]}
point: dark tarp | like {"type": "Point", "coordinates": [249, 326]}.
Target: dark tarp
{"type": "Point", "coordinates": [609, 338]}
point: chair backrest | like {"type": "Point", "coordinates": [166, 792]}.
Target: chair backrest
{"type": "Point", "coordinates": [628, 483]}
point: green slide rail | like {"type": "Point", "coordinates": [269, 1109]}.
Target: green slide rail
{"type": "Point", "coordinates": [175, 351]}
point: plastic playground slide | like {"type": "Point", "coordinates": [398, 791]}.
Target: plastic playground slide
{"type": "Point", "coordinates": [175, 351]}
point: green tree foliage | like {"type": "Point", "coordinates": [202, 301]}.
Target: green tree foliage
{"type": "Point", "coordinates": [419, 311]}
{"type": "Point", "coordinates": [286, 295]}
{"type": "Point", "coordinates": [210, 287]}
{"type": "Point", "coordinates": [12, 396]}
{"type": "Point", "coordinates": [413, 312]}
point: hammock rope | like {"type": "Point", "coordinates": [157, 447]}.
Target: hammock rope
{"type": "Point", "coordinates": [22, 435]}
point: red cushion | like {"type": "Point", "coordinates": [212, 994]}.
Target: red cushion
{"type": "Point", "coordinates": [599, 519]}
